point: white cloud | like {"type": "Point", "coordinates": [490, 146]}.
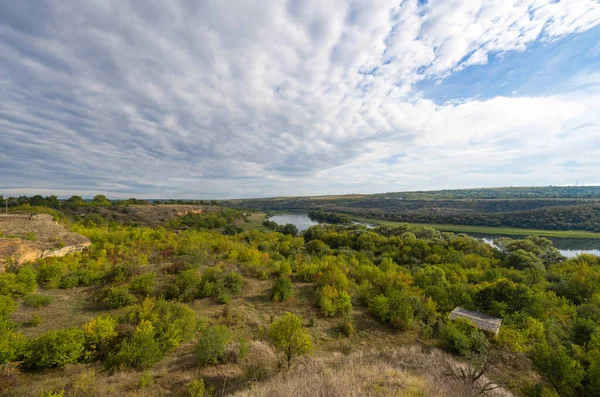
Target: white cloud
{"type": "Point", "coordinates": [252, 98]}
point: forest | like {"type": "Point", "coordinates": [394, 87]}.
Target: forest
{"type": "Point", "coordinates": [190, 287]}
{"type": "Point", "coordinates": [550, 208]}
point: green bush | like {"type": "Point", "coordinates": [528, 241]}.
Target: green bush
{"type": "Point", "coordinates": [196, 388]}
{"type": "Point", "coordinates": [140, 350]}
{"type": "Point", "coordinates": [282, 290]}
{"type": "Point", "coordinates": [173, 322]}
{"type": "Point", "coordinates": [143, 285]}
{"type": "Point", "coordinates": [563, 372]}
{"type": "Point", "coordinates": [117, 297]}
{"type": "Point", "coordinates": [20, 284]}
{"type": "Point", "coordinates": [7, 306]}
{"type": "Point", "coordinates": [12, 344]}
{"type": "Point", "coordinates": [54, 349]}
{"type": "Point", "coordinates": [100, 335]}
{"type": "Point", "coordinates": [210, 348]}
{"type": "Point", "coordinates": [333, 301]}
{"type": "Point", "coordinates": [146, 379]}
{"type": "Point", "coordinates": [347, 326]}
{"type": "Point", "coordinates": [51, 393]}
{"type": "Point", "coordinates": [37, 301]}
{"type": "Point", "coordinates": [186, 286]}
{"type": "Point", "coordinates": [234, 282]}
{"type": "Point", "coordinates": [461, 337]}
{"type": "Point", "coordinates": [35, 320]}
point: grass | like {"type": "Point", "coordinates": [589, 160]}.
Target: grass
{"type": "Point", "coordinates": [511, 231]}
{"type": "Point", "coordinates": [255, 221]}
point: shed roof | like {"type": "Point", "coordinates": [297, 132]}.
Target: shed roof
{"type": "Point", "coordinates": [480, 320]}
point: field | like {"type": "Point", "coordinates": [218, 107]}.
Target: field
{"type": "Point", "coordinates": [508, 231]}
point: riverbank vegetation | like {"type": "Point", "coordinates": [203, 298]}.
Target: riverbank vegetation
{"type": "Point", "coordinates": [190, 306]}
{"type": "Point", "coordinates": [547, 208]}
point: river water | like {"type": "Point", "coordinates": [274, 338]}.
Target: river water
{"type": "Point", "coordinates": [569, 247]}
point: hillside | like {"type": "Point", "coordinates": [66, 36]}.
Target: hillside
{"type": "Point", "coordinates": [27, 237]}
{"type": "Point", "coordinates": [549, 208]}
{"type": "Point", "coordinates": [198, 307]}
{"type": "Point", "coordinates": [146, 215]}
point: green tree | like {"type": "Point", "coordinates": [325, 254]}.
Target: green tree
{"type": "Point", "coordinates": [289, 337]}
{"type": "Point", "coordinates": [75, 200]}
{"type": "Point", "coordinates": [563, 372]}
{"type": "Point", "coordinates": [101, 200]}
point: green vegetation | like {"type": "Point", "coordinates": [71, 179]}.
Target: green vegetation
{"type": "Point", "coordinates": [210, 348]}
{"type": "Point", "coordinates": [149, 297]}
{"type": "Point", "coordinates": [329, 217]}
{"type": "Point", "coordinates": [287, 229]}
{"type": "Point", "coordinates": [494, 230]}
{"type": "Point", "coordinates": [546, 208]}
{"type": "Point", "coordinates": [37, 301]}
{"type": "Point", "coordinates": [290, 338]}
{"type": "Point", "coordinates": [283, 289]}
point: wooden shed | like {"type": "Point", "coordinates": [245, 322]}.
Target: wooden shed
{"type": "Point", "coordinates": [482, 321]}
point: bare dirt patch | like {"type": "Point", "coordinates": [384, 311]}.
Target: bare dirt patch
{"type": "Point", "coordinates": [27, 237]}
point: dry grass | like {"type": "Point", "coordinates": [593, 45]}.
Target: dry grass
{"type": "Point", "coordinates": [403, 372]}
{"type": "Point", "coordinates": [68, 308]}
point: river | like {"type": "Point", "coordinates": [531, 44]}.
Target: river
{"type": "Point", "coordinates": [569, 247]}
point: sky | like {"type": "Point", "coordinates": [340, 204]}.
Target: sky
{"type": "Point", "coordinates": [254, 98]}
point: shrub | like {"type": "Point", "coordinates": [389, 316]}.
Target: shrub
{"type": "Point", "coordinates": [54, 349]}
{"type": "Point", "coordinates": [35, 320]}
{"type": "Point", "coordinates": [143, 285]}
{"type": "Point", "coordinates": [99, 334]}
{"type": "Point", "coordinates": [261, 361]}
{"type": "Point", "coordinates": [20, 284]}
{"type": "Point", "coordinates": [140, 350]}
{"type": "Point", "coordinates": [347, 326]}
{"type": "Point", "coordinates": [223, 296]}
{"type": "Point", "coordinates": [117, 297]}
{"type": "Point", "coordinates": [210, 348]}
{"type": "Point", "coordinates": [12, 343]}
{"type": "Point", "coordinates": [173, 322]}
{"type": "Point", "coordinates": [234, 282]}
{"type": "Point", "coordinates": [282, 289]}
{"type": "Point", "coordinates": [37, 301]}
{"type": "Point", "coordinates": [333, 302]}
{"type": "Point", "coordinates": [7, 306]}
{"type": "Point", "coordinates": [461, 337]}
{"type": "Point", "coordinates": [186, 286]}
{"type": "Point", "coordinates": [196, 388]}
{"type": "Point", "coordinates": [146, 379]}
{"type": "Point", "coordinates": [50, 393]}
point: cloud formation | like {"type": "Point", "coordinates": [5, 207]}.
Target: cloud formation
{"type": "Point", "coordinates": [251, 98]}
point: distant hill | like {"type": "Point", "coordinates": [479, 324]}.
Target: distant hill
{"type": "Point", "coordinates": [550, 208]}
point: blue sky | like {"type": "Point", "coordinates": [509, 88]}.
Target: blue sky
{"type": "Point", "coordinates": [243, 98]}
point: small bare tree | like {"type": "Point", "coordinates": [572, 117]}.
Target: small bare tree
{"type": "Point", "coordinates": [471, 374]}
